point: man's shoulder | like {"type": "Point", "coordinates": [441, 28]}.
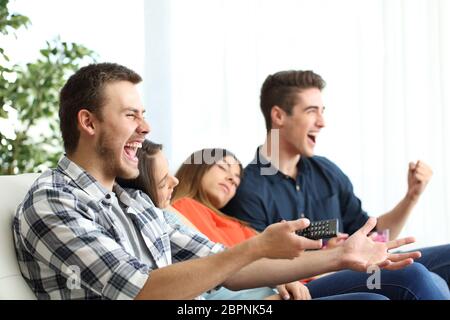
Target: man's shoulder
{"type": "Point", "coordinates": [253, 179]}
{"type": "Point", "coordinates": [323, 163]}
{"type": "Point", "coordinates": [51, 184]}
{"type": "Point", "coordinates": [49, 180]}
{"type": "Point", "coordinates": [322, 160]}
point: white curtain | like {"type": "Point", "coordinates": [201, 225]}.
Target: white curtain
{"type": "Point", "coordinates": [386, 63]}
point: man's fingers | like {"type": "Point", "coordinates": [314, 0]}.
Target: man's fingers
{"type": "Point", "coordinates": [370, 224]}
{"type": "Point", "coordinates": [400, 242]}
{"type": "Point", "coordinates": [342, 236]}
{"type": "Point", "coordinates": [299, 224]}
{"type": "Point", "coordinates": [311, 244]}
{"type": "Point", "coordinates": [384, 264]}
{"type": "Point", "coordinates": [297, 294]}
{"type": "Point", "coordinates": [305, 294]}
{"type": "Point", "coordinates": [399, 265]}
{"type": "Point", "coordinates": [396, 257]}
{"type": "Point", "coordinates": [283, 292]}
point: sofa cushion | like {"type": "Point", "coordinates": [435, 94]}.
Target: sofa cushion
{"type": "Point", "coordinates": [12, 192]}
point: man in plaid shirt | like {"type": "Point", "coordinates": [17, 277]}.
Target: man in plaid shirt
{"type": "Point", "coordinates": [78, 235]}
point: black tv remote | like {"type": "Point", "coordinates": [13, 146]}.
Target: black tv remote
{"type": "Point", "coordinates": [320, 229]}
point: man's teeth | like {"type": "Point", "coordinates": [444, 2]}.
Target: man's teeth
{"type": "Point", "coordinates": [134, 145]}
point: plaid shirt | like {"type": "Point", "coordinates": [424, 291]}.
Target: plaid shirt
{"type": "Point", "coordinates": [69, 246]}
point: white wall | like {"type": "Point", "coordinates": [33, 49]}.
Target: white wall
{"type": "Point", "coordinates": [113, 29]}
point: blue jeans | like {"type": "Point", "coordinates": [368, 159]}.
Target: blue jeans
{"type": "Point", "coordinates": [261, 293]}
{"type": "Point", "coordinates": [354, 296]}
{"type": "Point", "coordinates": [437, 260]}
{"type": "Point", "coordinates": [414, 282]}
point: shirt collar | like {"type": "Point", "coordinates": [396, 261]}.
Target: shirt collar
{"type": "Point", "coordinates": [127, 197]}
{"type": "Point", "coordinates": [83, 179]}
{"type": "Point", "coordinates": [262, 163]}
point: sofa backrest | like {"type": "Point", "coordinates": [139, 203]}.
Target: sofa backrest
{"type": "Point", "coordinates": [12, 192]}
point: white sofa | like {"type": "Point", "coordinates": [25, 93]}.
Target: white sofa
{"type": "Point", "coordinates": [12, 192]}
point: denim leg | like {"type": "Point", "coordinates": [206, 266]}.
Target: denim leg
{"type": "Point", "coordinates": [355, 296]}
{"type": "Point", "coordinates": [440, 282]}
{"type": "Point", "coordinates": [437, 260]}
{"type": "Point", "coordinates": [414, 282]}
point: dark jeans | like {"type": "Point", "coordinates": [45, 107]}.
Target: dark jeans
{"type": "Point", "coordinates": [414, 282]}
{"type": "Point", "coordinates": [437, 260]}
{"type": "Point", "coordinates": [355, 296]}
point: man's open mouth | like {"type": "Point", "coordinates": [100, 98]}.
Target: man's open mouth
{"type": "Point", "coordinates": [130, 150]}
{"type": "Point", "coordinates": [312, 138]}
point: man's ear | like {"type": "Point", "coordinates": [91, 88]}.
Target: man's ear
{"type": "Point", "coordinates": [86, 121]}
{"type": "Point", "coordinates": [277, 115]}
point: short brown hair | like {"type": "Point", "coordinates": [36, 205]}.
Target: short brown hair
{"type": "Point", "coordinates": [280, 89]}
{"type": "Point", "coordinates": [84, 90]}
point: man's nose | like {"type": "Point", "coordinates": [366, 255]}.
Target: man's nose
{"type": "Point", "coordinates": [144, 127]}
{"type": "Point", "coordinates": [320, 121]}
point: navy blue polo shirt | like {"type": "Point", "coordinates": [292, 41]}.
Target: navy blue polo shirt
{"type": "Point", "coordinates": [320, 191]}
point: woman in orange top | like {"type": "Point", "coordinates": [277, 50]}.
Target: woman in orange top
{"type": "Point", "coordinates": [207, 186]}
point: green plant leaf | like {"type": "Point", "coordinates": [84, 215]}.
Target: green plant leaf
{"type": "Point", "coordinates": [35, 96]}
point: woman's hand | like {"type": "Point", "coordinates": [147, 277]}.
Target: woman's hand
{"type": "Point", "coordinates": [294, 290]}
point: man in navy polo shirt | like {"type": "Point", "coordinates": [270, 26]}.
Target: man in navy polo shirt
{"type": "Point", "coordinates": [286, 181]}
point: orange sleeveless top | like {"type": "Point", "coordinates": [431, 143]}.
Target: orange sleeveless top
{"type": "Point", "coordinates": [217, 228]}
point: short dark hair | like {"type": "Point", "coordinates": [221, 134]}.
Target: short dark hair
{"type": "Point", "coordinates": [281, 89]}
{"type": "Point", "coordinates": [84, 90]}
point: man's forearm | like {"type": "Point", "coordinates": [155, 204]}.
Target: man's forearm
{"type": "Point", "coordinates": [189, 279]}
{"type": "Point", "coordinates": [269, 272]}
{"type": "Point", "coordinates": [395, 219]}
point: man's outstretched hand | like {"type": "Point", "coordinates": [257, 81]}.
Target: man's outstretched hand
{"type": "Point", "coordinates": [359, 251]}
{"type": "Point", "coordinates": [279, 240]}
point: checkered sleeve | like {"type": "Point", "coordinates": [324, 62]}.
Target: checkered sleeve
{"type": "Point", "coordinates": [187, 243]}
{"type": "Point", "coordinates": [62, 234]}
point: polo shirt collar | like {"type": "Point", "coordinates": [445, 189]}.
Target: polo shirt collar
{"type": "Point", "coordinates": [261, 162]}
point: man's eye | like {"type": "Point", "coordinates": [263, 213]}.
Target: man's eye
{"type": "Point", "coordinates": [132, 115]}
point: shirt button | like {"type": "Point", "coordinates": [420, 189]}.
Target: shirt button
{"type": "Point", "coordinates": [108, 196]}
{"type": "Point", "coordinates": [297, 187]}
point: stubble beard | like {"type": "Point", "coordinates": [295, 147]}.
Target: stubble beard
{"type": "Point", "coordinates": [112, 165]}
